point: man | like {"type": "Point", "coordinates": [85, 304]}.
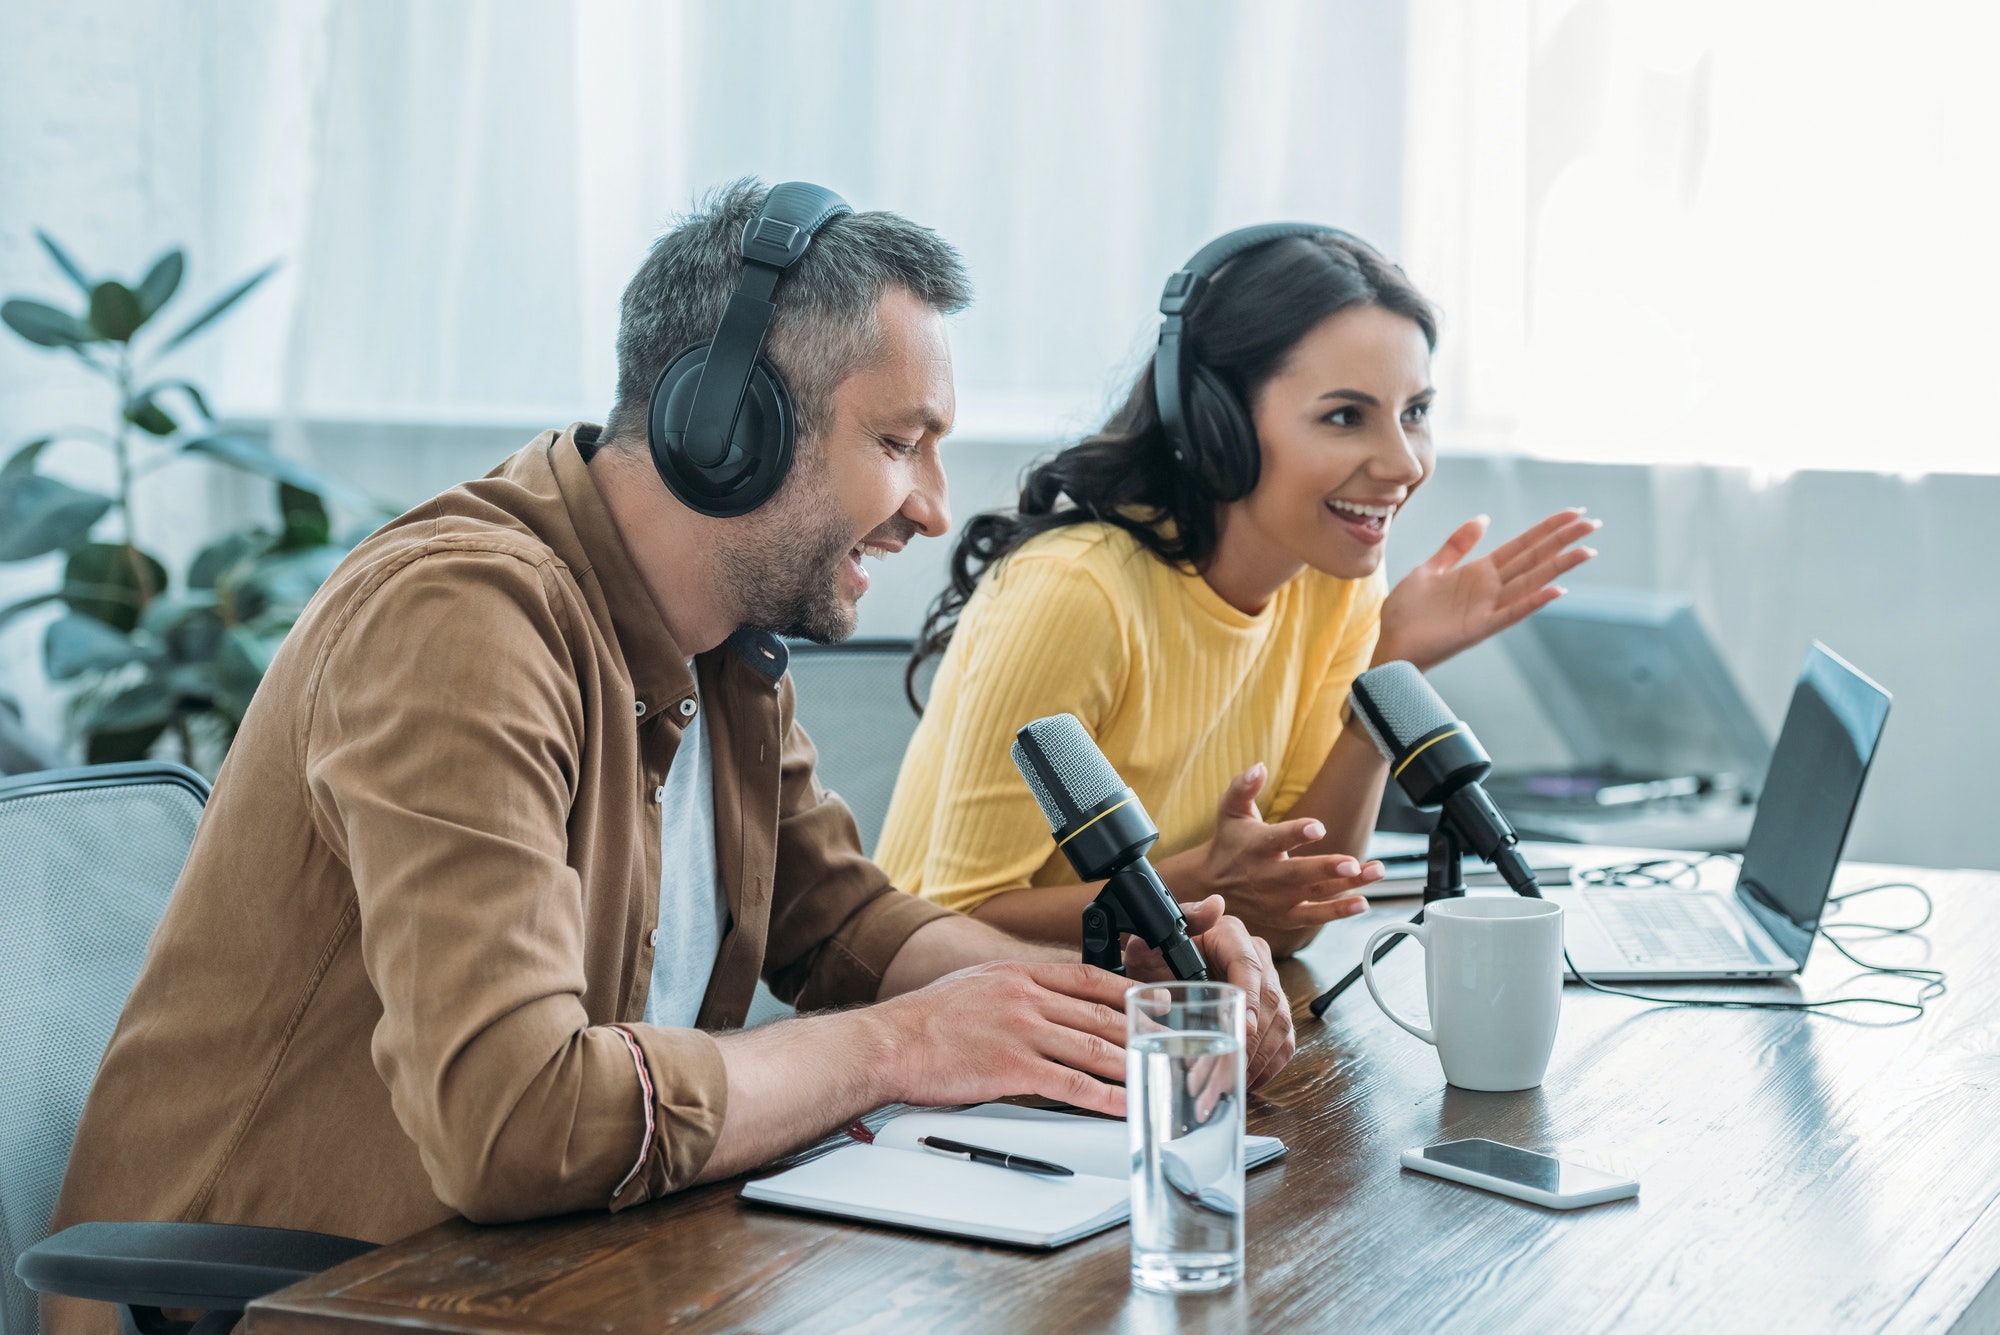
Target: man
{"type": "Point", "coordinates": [521, 815]}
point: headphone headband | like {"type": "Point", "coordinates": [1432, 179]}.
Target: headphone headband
{"type": "Point", "coordinates": [1232, 470]}
{"type": "Point", "coordinates": [1185, 286]}
{"type": "Point", "coordinates": [773, 242]}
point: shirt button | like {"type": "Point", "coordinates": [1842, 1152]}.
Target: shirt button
{"type": "Point", "coordinates": [687, 708]}
{"type": "Point", "coordinates": [660, 793]}
{"type": "Point", "coordinates": [653, 937]}
{"type": "Point", "coordinates": [639, 708]}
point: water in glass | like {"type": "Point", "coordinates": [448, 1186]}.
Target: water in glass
{"type": "Point", "coordinates": [1184, 1091]}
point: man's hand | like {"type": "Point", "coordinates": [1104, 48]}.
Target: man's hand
{"type": "Point", "coordinates": [1232, 956]}
{"type": "Point", "coordinates": [1449, 604]}
{"type": "Point", "coordinates": [1250, 864]}
{"type": "Point", "coordinates": [982, 1033]}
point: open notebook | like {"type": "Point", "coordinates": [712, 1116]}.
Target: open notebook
{"type": "Point", "coordinates": [897, 1181]}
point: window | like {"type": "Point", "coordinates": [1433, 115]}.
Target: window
{"type": "Point", "coordinates": [488, 177]}
{"type": "Point", "coordinates": [1760, 234]}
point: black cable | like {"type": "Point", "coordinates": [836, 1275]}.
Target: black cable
{"type": "Point", "coordinates": [1667, 872]}
{"type": "Point", "coordinates": [1883, 926]}
{"type": "Point", "coordinates": [1663, 873]}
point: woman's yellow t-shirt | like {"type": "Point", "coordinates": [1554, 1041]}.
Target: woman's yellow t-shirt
{"type": "Point", "coordinates": [1181, 691]}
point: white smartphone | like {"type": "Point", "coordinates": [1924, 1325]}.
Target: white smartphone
{"type": "Point", "coordinates": [1520, 1173]}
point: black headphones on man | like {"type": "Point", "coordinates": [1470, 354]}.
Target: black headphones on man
{"type": "Point", "coordinates": [721, 427]}
{"type": "Point", "coordinates": [1206, 423]}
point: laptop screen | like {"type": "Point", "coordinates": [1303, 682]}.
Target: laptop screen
{"type": "Point", "coordinates": [1809, 797]}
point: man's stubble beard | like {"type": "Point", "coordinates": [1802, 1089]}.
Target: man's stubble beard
{"type": "Point", "coordinates": [785, 574]}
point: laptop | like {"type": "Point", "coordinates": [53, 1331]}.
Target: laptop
{"type": "Point", "coordinates": [1765, 927]}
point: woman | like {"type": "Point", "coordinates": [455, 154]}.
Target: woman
{"type": "Point", "coordinates": [1199, 583]}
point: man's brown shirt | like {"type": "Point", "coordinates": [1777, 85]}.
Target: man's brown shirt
{"type": "Point", "coordinates": [425, 891]}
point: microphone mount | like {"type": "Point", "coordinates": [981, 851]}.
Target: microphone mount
{"type": "Point", "coordinates": [1113, 843]}
{"type": "Point", "coordinates": [1444, 878]}
{"type": "Point", "coordinates": [1108, 917]}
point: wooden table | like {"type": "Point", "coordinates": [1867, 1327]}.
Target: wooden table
{"type": "Point", "coordinates": [1797, 1173]}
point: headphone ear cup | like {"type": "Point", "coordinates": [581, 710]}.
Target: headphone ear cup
{"type": "Point", "coordinates": [1220, 430]}
{"type": "Point", "coordinates": [760, 450]}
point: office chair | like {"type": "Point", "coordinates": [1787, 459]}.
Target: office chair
{"type": "Point", "coordinates": [850, 702]}
{"type": "Point", "coordinates": [88, 858]}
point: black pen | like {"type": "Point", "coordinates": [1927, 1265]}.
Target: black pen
{"type": "Point", "coordinates": [998, 1158]}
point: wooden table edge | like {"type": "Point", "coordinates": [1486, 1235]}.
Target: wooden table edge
{"type": "Point", "coordinates": [1963, 1292]}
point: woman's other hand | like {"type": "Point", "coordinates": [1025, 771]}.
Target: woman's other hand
{"type": "Point", "coordinates": [1282, 898]}
{"type": "Point", "coordinates": [1449, 604]}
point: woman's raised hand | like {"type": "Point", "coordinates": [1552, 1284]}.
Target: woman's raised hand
{"type": "Point", "coordinates": [1250, 864]}
{"type": "Point", "coordinates": [1448, 603]}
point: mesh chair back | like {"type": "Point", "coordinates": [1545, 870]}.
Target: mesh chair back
{"type": "Point", "coordinates": [88, 858]}
{"type": "Point", "coordinates": [851, 703]}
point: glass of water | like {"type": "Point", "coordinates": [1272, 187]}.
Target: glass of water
{"type": "Point", "coordinates": [1184, 1108]}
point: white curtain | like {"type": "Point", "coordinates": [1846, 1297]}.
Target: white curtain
{"type": "Point", "coordinates": [486, 176]}
{"type": "Point", "coordinates": [1750, 233]}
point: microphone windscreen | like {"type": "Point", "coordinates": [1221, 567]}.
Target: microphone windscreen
{"type": "Point", "coordinates": [1065, 771]}
{"type": "Point", "coordinates": [1397, 706]}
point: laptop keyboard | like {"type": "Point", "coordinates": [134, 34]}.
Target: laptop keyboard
{"type": "Point", "coordinates": [1661, 927]}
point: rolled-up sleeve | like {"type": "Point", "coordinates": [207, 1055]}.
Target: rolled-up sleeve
{"type": "Point", "coordinates": [836, 922]}
{"type": "Point", "coordinates": [442, 743]}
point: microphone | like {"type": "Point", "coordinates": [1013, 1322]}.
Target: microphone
{"type": "Point", "coordinates": [1439, 763]}
{"type": "Point", "coordinates": [1105, 833]}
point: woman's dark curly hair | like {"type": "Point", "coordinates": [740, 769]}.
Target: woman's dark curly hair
{"type": "Point", "coordinates": [1256, 310]}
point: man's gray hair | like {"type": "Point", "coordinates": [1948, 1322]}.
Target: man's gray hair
{"type": "Point", "coordinates": [826, 326]}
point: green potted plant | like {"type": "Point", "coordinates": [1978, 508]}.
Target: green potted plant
{"type": "Point", "coordinates": [152, 656]}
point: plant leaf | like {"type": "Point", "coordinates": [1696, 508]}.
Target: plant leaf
{"type": "Point", "coordinates": [171, 609]}
{"type": "Point", "coordinates": [106, 748]}
{"type": "Point", "coordinates": [43, 324]}
{"type": "Point", "coordinates": [193, 393]}
{"type": "Point", "coordinates": [114, 311]}
{"type": "Point", "coordinates": [252, 457]}
{"type": "Point", "coordinates": [306, 522]}
{"type": "Point", "coordinates": [39, 515]}
{"type": "Point", "coordinates": [287, 581]}
{"type": "Point", "coordinates": [22, 461]}
{"type": "Point", "coordinates": [194, 682]}
{"type": "Point", "coordinates": [217, 559]}
{"type": "Point", "coordinates": [187, 625]}
{"type": "Point", "coordinates": [103, 580]}
{"type": "Point", "coordinates": [149, 416]}
{"type": "Point", "coordinates": [63, 261]}
{"type": "Point", "coordinates": [74, 645]}
{"type": "Point", "coordinates": [216, 308]}
{"type": "Point", "coordinates": [193, 642]}
{"type": "Point", "coordinates": [160, 283]}
{"type": "Point", "coordinates": [29, 604]}
{"type": "Point", "coordinates": [140, 705]}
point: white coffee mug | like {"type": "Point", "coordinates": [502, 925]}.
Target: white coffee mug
{"type": "Point", "coordinates": [1493, 971]}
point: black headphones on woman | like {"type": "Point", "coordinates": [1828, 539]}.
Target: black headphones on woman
{"type": "Point", "coordinates": [722, 426]}
{"type": "Point", "coordinates": [1207, 425]}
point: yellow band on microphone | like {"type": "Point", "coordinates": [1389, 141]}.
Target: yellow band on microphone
{"type": "Point", "coordinates": [1093, 820]}
{"type": "Point", "coordinates": [1425, 747]}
